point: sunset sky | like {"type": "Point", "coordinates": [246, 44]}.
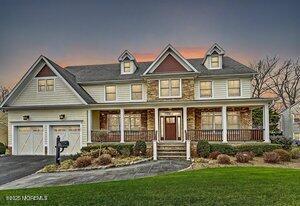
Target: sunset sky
{"type": "Point", "coordinates": [95, 32]}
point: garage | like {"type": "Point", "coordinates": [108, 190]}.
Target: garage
{"type": "Point", "coordinates": [70, 133]}
{"type": "Point", "coordinates": [30, 140]}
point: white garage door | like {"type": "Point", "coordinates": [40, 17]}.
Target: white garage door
{"type": "Point", "coordinates": [69, 133]}
{"type": "Point", "coordinates": [30, 140]}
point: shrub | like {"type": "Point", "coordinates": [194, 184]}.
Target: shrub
{"type": "Point", "coordinates": [223, 148]}
{"type": "Point", "coordinates": [203, 148]}
{"type": "Point", "coordinates": [283, 155]}
{"type": "Point", "coordinates": [75, 156]}
{"type": "Point", "coordinates": [213, 155]}
{"type": "Point", "coordinates": [243, 157]}
{"type": "Point", "coordinates": [295, 153]}
{"type": "Point", "coordinates": [250, 154]}
{"type": "Point", "coordinates": [95, 153]}
{"type": "Point", "coordinates": [258, 149]}
{"type": "Point", "coordinates": [67, 164]}
{"type": "Point", "coordinates": [140, 148]}
{"type": "Point", "coordinates": [50, 168]}
{"type": "Point", "coordinates": [2, 148]}
{"type": "Point", "coordinates": [83, 161]}
{"type": "Point", "coordinates": [296, 142]}
{"type": "Point", "coordinates": [120, 147]}
{"type": "Point", "coordinates": [223, 159]}
{"type": "Point", "coordinates": [286, 143]}
{"type": "Point", "coordinates": [103, 159]}
{"type": "Point", "coordinates": [112, 152]}
{"type": "Point", "coordinates": [271, 157]}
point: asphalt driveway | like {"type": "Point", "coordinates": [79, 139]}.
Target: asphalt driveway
{"type": "Point", "coordinates": [15, 167]}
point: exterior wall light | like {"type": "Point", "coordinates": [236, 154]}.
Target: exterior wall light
{"type": "Point", "coordinates": [62, 116]}
{"type": "Point", "coordinates": [26, 117]}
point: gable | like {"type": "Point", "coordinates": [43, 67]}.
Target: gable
{"type": "Point", "coordinates": [45, 72]}
{"type": "Point", "coordinates": [169, 64]}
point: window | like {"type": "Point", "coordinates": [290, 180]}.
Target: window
{"type": "Point", "coordinates": [234, 88]}
{"type": "Point", "coordinates": [211, 120]}
{"type": "Point", "coordinates": [170, 88]}
{"type": "Point", "coordinates": [127, 67]}
{"type": "Point", "coordinates": [215, 63]}
{"type": "Point", "coordinates": [45, 85]}
{"type": "Point", "coordinates": [113, 122]}
{"type": "Point", "coordinates": [132, 122]}
{"type": "Point", "coordinates": [110, 93]}
{"type": "Point", "coordinates": [297, 135]}
{"type": "Point", "coordinates": [136, 92]}
{"type": "Point", "coordinates": [206, 89]}
{"type": "Point", "coordinates": [233, 120]}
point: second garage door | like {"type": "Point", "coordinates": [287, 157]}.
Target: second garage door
{"type": "Point", "coordinates": [69, 133]}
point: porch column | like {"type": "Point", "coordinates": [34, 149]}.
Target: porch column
{"type": "Point", "coordinates": [266, 123]}
{"type": "Point", "coordinates": [122, 125]}
{"type": "Point", "coordinates": [184, 117]}
{"type": "Point", "coordinates": [224, 124]}
{"type": "Point", "coordinates": [156, 122]}
{"type": "Point", "coordinates": [90, 119]}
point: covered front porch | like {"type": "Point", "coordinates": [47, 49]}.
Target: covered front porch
{"type": "Point", "coordinates": [227, 123]}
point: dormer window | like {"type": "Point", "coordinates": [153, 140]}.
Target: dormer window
{"type": "Point", "coordinates": [127, 67]}
{"type": "Point", "coordinates": [215, 61]}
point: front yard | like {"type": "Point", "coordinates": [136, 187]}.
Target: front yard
{"type": "Point", "coordinates": [213, 186]}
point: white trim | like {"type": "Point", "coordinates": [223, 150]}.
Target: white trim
{"type": "Point", "coordinates": [184, 117]}
{"type": "Point", "coordinates": [224, 124]}
{"type": "Point", "coordinates": [45, 78]}
{"type": "Point", "coordinates": [266, 123]}
{"type": "Point", "coordinates": [48, 139]}
{"type": "Point", "coordinates": [122, 124]}
{"type": "Point", "coordinates": [176, 52]}
{"type": "Point", "coordinates": [90, 126]}
{"type": "Point", "coordinates": [211, 50]}
{"type": "Point", "coordinates": [170, 97]}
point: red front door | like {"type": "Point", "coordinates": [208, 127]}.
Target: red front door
{"type": "Point", "coordinates": [170, 128]}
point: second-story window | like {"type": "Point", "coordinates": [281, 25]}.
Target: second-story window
{"type": "Point", "coordinates": [205, 89]}
{"type": "Point", "coordinates": [170, 88]}
{"type": "Point", "coordinates": [215, 62]}
{"type": "Point", "coordinates": [234, 88]}
{"type": "Point", "coordinates": [46, 85]}
{"type": "Point", "coordinates": [110, 93]}
{"type": "Point", "coordinates": [127, 67]}
{"type": "Point", "coordinates": [136, 92]}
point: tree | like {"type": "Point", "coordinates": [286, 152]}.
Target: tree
{"type": "Point", "coordinates": [3, 93]}
{"type": "Point", "coordinates": [263, 67]}
{"type": "Point", "coordinates": [285, 82]}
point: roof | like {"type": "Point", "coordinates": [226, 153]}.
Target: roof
{"type": "Point", "coordinates": [71, 79]}
{"type": "Point", "coordinates": [111, 72]}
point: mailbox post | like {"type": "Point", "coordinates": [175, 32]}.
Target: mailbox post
{"type": "Point", "coordinates": [60, 146]}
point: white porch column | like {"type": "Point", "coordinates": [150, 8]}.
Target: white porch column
{"type": "Point", "coordinates": [154, 150]}
{"type": "Point", "coordinates": [224, 124]}
{"type": "Point", "coordinates": [188, 149]}
{"type": "Point", "coordinates": [184, 117]}
{"type": "Point", "coordinates": [156, 122]}
{"type": "Point", "coordinates": [122, 116]}
{"type": "Point", "coordinates": [266, 123]}
{"type": "Point", "coordinates": [90, 125]}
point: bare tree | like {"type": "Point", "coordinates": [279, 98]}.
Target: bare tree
{"type": "Point", "coordinates": [3, 93]}
{"type": "Point", "coordinates": [263, 67]}
{"type": "Point", "coordinates": [285, 82]}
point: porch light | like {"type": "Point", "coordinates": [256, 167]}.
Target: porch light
{"type": "Point", "coordinates": [26, 117]}
{"type": "Point", "coordinates": [62, 116]}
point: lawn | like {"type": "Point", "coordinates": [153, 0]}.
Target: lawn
{"type": "Point", "coordinates": [216, 186]}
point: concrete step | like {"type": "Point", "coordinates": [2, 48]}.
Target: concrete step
{"type": "Point", "coordinates": [172, 153]}
{"type": "Point", "coordinates": [172, 148]}
{"type": "Point", "coordinates": [171, 157]}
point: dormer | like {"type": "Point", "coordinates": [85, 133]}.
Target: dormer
{"type": "Point", "coordinates": [127, 63]}
{"type": "Point", "coordinates": [214, 57]}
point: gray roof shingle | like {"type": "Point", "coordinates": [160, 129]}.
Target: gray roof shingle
{"type": "Point", "coordinates": [110, 72]}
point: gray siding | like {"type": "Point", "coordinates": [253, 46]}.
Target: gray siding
{"type": "Point", "coordinates": [62, 94]}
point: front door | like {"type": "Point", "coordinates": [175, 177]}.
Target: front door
{"type": "Point", "coordinates": [170, 128]}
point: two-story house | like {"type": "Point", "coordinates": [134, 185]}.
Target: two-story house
{"type": "Point", "coordinates": [170, 99]}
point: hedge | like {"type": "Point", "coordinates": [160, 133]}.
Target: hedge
{"type": "Point", "coordinates": [258, 149]}
{"type": "Point", "coordinates": [120, 147]}
{"type": "Point", "coordinates": [2, 148]}
{"type": "Point", "coordinates": [223, 148]}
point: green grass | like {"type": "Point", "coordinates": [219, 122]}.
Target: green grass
{"type": "Point", "coordinates": [218, 186]}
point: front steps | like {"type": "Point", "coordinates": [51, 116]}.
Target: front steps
{"type": "Point", "coordinates": [171, 150]}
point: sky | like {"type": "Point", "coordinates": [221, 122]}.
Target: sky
{"type": "Point", "coordinates": [94, 32]}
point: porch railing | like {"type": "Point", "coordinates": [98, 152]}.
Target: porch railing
{"type": "Point", "coordinates": [144, 135]}
{"type": "Point", "coordinates": [209, 135]}
{"type": "Point", "coordinates": [106, 136]}
{"type": "Point", "coordinates": [245, 134]}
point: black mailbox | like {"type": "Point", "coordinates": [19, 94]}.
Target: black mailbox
{"type": "Point", "coordinates": [64, 144]}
